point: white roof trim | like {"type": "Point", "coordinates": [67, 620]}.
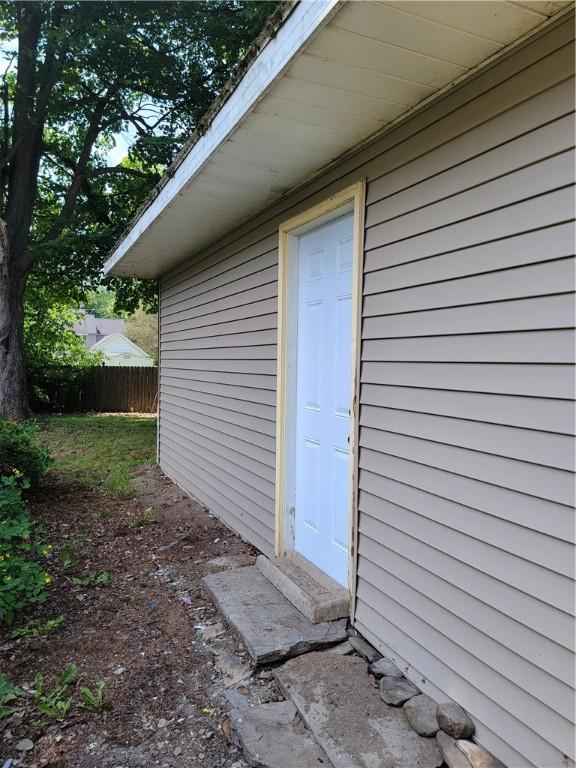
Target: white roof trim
{"type": "Point", "coordinates": [332, 77]}
{"type": "Point", "coordinates": [296, 31]}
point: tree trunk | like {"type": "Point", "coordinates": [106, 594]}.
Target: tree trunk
{"type": "Point", "coordinates": [13, 389]}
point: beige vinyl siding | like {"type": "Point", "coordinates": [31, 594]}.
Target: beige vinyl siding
{"type": "Point", "coordinates": [218, 383]}
{"type": "Point", "coordinates": [466, 559]}
{"type": "Point", "coordinates": [466, 520]}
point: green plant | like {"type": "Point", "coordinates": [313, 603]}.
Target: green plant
{"type": "Point", "coordinates": [67, 557]}
{"type": "Point", "coordinates": [145, 518]}
{"type": "Point", "coordinates": [23, 580]}
{"type": "Point", "coordinates": [53, 704]}
{"type": "Point", "coordinates": [92, 579]}
{"type": "Point", "coordinates": [37, 628]}
{"type": "Point", "coordinates": [8, 695]}
{"type": "Point", "coordinates": [94, 699]}
{"type": "Point", "coordinates": [20, 455]}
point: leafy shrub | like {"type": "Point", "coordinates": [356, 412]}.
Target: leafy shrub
{"type": "Point", "coordinates": [20, 455]}
{"type": "Point", "coordinates": [23, 581]}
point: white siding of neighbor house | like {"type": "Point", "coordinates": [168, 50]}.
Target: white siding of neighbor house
{"type": "Point", "coordinates": [466, 522]}
{"type": "Point", "coordinates": [119, 350]}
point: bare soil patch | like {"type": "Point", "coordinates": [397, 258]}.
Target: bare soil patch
{"type": "Point", "coordinates": [145, 632]}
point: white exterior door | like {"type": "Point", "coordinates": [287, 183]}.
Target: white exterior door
{"type": "Point", "coordinates": [323, 397]}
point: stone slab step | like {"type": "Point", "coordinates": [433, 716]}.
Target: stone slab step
{"type": "Point", "coordinates": [273, 735]}
{"type": "Point", "coordinates": [269, 625]}
{"type": "Point", "coordinates": [309, 589]}
{"type": "Point", "coordinates": [348, 718]}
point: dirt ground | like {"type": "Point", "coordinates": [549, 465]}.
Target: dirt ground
{"type": "Point", "coordinates": [149, 633]}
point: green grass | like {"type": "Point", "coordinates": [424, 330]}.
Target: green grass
{"type": "Point", "coordinates": [99, 452]}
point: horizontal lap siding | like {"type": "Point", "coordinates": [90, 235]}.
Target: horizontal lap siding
{"type": "Point", "coordinates": [218, 385]}
{"type": "Point", "coordinates": [466, 525]}
{"type": "Point", "coordinates": [466, 558]}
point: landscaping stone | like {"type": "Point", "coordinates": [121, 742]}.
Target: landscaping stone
{"type": "Point", "coordinates": [269, 625]}
{"type": "Point", "coordinates": [232, 668]}
{"type": "Point", "coordinates": [420, 712]}
{"type": "Point", "coordinates": [396, 692]}
{"type": "Point", "coordinates": [453, 757]}
{"type": "Point", "coordinates": [227, 562]}
{"type": "Point", "coordinates": [344, 649]}
{"type": "Point", "coordinates": [454, 720]}
{"type": "Point", "coordinates": [272, 735]}
{"type": "Point", "coordinates": [364, 648]}
{"type": "Point", "coordinates": [25, 745]}
{"type": "Point", "coordinates": [313, 592]}
{"type": "Point", "coordinates": [384, 668]}
{"type": "Point", "coordinates": [477, 756]}
{"type": "Point", "coordinates": [348, 718]}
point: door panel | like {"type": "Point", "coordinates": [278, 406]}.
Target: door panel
{"type": "Point", "coordinates": [323, 397]}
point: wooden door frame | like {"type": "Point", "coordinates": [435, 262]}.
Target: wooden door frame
{"type": "Point", "coordinates": [351, 199]}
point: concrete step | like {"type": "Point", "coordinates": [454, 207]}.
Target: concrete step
{"type": "Point", "coordinates": [270, 627]}
{"type": "Point", "coordinates": [272, 735]}
{"type": "Point", "coordinates": [309, 589]}
{"type": "Point", "coordinates": [347, 717]}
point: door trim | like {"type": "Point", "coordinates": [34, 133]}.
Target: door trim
{"type": "Point", "coordinates": [349, 200]}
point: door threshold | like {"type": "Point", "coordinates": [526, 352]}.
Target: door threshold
{"type": "Point", "coordinates": [316, 595]}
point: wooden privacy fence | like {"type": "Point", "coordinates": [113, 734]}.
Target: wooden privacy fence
{"type": "Point", "coordinates": [101, 388]}
{"type": "Point", "coordinates": [121, 389]}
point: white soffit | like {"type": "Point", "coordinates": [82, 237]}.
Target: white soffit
{"type": "Point", "coordinates": [332, 76]}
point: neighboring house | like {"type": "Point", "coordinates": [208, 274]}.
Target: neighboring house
{"type": "Point", "coordinates": [106, 335]}
{"type": "Point", "coordinates": [365, 335]}
{"type": "Point", "coordinates": [94, 329]}
{"type": "Point", "coordinates": [119, 350]}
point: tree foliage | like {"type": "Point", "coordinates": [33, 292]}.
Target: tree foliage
{"type": "Point", "coordinates": [78, 76]}
{"type": "Point", "coordinates": [142, 329]}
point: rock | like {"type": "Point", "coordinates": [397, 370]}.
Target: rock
{"type": "Point", "coordinates": [396, 692]}
{"type": "Point", "coordinates": [270, 735]}
{"type": "Point", "coordinates": [232, 669]}
{"type": "Point", "coordinates": [270, 627]}
{"type": "Point", "coordinates": [344, 649]}
{"type": "Point", "coordinates": [119, 671]}
{"type": "Point", "coordinates": [228, 562]}
{"type": "Point", "coordinates": [177, 751]}
{"type": "Point", "coordinates": [477, 756]}
{"type": "Point", "coordinates": [384, 668]}
{"type": "Point", "coordinates": [454, 720]}
{"type": "Point", "coordinates": [363, 648]}
{"type": "Point", "coordinates": [420, 712]}
{"type": "Point", "coordinates": [210, 631]}
{"type": "Point", "coordinates": [453, 757]}
{"type": "Point", "coordinates": [162, 723]}
{"type": "Point", "coordinates": [348, 718]}
{"type": "Point", "coordinates": [25, 745]}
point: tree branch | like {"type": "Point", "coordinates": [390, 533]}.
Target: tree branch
{"type": "Point", "coordinates": [119, 169]}
{"type": "Point", "coordinates": [80, 172]}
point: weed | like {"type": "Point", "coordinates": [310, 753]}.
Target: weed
{"type": "Point", "coordinates": [67, 558]}
{"type": "Point", "coordinates": [92, 579]}
{"type": "Point", "coordinates": [53, 704]}
{"type": "Point", "coordinates": [146, 518]}
{"type": "Point", "coordinates": [37, 628]}
{"type": "Point", "coordinates": [8, 695]}
{"type": "Point", "coordinates": [94, 699]}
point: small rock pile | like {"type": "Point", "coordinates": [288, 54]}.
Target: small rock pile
{"type": "Point", "coordinates": [447, 722]}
